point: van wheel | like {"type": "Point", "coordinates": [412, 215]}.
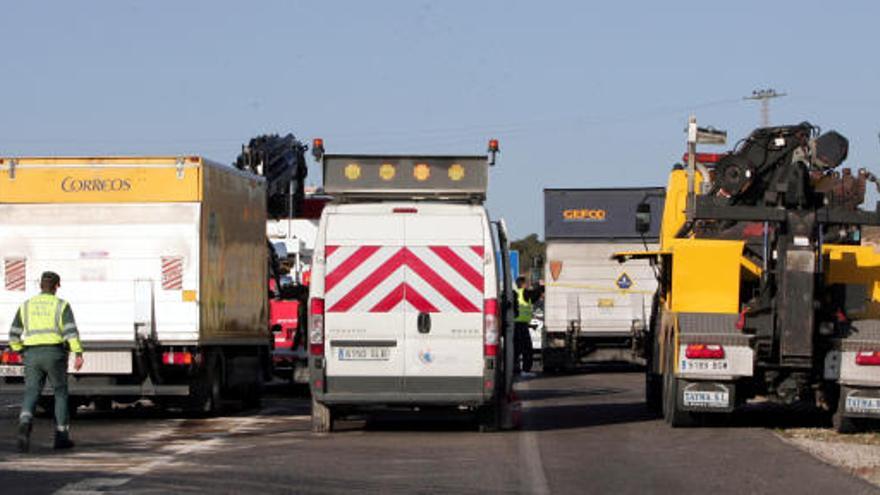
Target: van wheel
{"type": "Point", "coordinates": [488, 419]}
{"type": "Point", "coordinates": [323, 417]}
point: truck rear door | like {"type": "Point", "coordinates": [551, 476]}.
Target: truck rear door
{"type": "Point", "coordinates": [364, 330]}
{"type": "Point", "coordinates": [443, 310]}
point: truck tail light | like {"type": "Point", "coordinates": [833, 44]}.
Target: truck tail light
{"type": "Point", "coordinates": [10, 357]}
{"type": "Point", "coordinates": [177, 358]}
{"type": "Point", "coordinates": [316, 327]}
{"type": "Point", "coordinates": [704, 351]}
{"type": "Point", "coordinates": [868, 358]}
{"type": "Point", "coordinates": [490, 327]}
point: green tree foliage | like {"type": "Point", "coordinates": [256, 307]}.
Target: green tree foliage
{"type": "Point", "coordinates": [531, 251]}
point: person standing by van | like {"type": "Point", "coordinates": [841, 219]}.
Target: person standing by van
{"type": "Point", "coordinates": [43, 329]}
{"type": "Point", "coordinates": [522, 341]}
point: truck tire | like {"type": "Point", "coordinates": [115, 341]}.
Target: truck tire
{"type": "Point", "coordinates": [654, 392]}
{"type": "Point", "coordinates": [206, 394]}
{"type": "Point", "coordinates": [672, 412]}
{"type": "Point", "coordinates": [322, 417]}
{"type": "Point", "coordinates": [845, 424]}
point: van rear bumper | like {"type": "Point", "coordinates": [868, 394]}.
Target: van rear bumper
{"type": "Point", "coordinates": [452, 390]}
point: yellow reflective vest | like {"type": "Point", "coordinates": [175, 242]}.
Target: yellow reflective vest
{"type": "Point", "coordinates": [44, 320]}
{"type": "Point", "coordinates": [524, 307]}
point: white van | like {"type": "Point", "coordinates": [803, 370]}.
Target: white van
{"type": "Point", "coordinates": [405, 302]}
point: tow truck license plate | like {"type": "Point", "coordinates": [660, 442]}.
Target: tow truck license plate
{"type": "Point", "coordinates": [704, 365]}
{"type": "Point", "coordinates": [364, 353]}
{"type": "Point", "coordinates": [699, 398]}
{"type": "Point", "coordinates": [6, 370]}
{"type": "Point", "coordinates": [863, 404]}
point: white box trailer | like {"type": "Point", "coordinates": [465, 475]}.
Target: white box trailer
{"type": "Point", "coordinates": [595, 308]}
{"type": "Point", "coordinates": [163, 261]}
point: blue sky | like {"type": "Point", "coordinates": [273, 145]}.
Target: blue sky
{"type": "Point", "coordinates": [581, 94]}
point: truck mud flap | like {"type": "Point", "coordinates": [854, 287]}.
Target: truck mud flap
{"type": "Point", "coordinates": [704, 396]}
{"type": "Point", "coordinates": [860, 402]}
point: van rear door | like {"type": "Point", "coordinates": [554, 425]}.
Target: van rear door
{"type": "Point", "coordinates": [445, 285]}
{"type": "Point", "coordinates": [364, 333]}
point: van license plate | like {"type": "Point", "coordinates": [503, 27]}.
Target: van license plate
{"type": "Point", "coordinates": [11, 370]}
{"type": "Point", "coordinates": [364, 353]}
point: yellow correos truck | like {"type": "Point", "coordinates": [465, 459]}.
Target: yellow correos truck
{"type": "Point", "coordinates": [163, 260]}
{"type": "Point", "coordinates": [766, 288]}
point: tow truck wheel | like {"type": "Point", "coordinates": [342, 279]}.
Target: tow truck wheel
{"type": "Point", "coordinates": [654, 392]}
{"type": "Point", "coordinates": [322, 417]}
{"type": "Point", "coordinates": [845, 424]}
{"type": "Point", "coordinates": [672, 412]}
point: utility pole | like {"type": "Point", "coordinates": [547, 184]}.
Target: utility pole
{"type": "Point", "coordinates": [764, 96]}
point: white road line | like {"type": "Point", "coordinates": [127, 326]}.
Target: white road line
{"type": "Point", "coordinates": [533, 466]}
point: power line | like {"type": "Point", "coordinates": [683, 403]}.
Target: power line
{"type": "Point", "coordinates": [764, 96]}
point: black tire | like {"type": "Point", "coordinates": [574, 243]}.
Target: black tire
{"type": "Point", "coordinates": [488, 419]}
{"type": "Point", "coordinates": [672, 412]}
{"type": "Point", "coordinates": [323, 417]}
{"type": "Point", "coordinates": [206, 390]}
{"type": "Point", "coordinates": [252, 394]}
{"type": "Point", "coordinates": [654, 392]}
{"type": "Point", "coordinates": [845, 424]}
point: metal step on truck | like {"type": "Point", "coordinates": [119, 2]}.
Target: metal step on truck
{"type": "Point", "coordinates": [163, 261]}
{"type": "Point", "coordinates": [767, 290]}
{"type": "Point", "coordinates": [595, 309]}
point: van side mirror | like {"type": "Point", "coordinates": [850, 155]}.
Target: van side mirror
{"type": "Point", "coordinates": [643, 218]}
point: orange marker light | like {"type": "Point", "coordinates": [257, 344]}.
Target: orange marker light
{"type": "Point", "coordinates": [493, 145]}
{"type": "Point", "coordinates": [387, 171]}
{"type": "Point", "coordinates": [352, 171]}
{"type": "Point", "coordinates": [421, 172]}
{"type": "Point", "coordinates": [456, 172]}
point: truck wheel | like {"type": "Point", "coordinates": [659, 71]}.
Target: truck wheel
{"type": "Point", "coordinates": [205, 396]}
{"type": "Point", "coordinates": [845, 424]}
{"type": "Point", "coordinates": [322, 417]}
{"type": "Point", "coordinates": [654, 392]}
{"type": "Point", "coordinates": [672, 412]}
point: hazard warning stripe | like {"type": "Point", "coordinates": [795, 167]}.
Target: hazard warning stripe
{"type": "Point", "coordinates": [367, 284]}
{"type": "Point", "coordinates": [383, 278]}
{"type": "Point", "coordinates": [404, 292]}
{"type": "Point", "coordinates": [329, 250]}
{"type": "Point", "coordinates": [478, 250]}
{"type": "Point", "coordinates": [459, 265]}
{"type": "Point", "coordinates": [349, 265]}
{"type": "Point", "coordinates": [15, 273]}
{"type": "Point", "coordinates": [172, 272]}
{"type": "Point", "coordinates": [440, 285]}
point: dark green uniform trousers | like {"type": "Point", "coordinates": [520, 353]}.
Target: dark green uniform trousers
{"type": "Point", "coordinates": [40, 362]}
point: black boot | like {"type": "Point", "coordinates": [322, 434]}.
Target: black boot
{"type": "Point", "coordinates": [24, 436]}
{"type": "Point", "coordinates": [62, 440]}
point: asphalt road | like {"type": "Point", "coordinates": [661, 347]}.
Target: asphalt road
{"type": "Point", "coordinates": [585, 433]}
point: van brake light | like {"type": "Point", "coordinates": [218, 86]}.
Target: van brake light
{"type": "Point", "coordinates": [316, 327]}
{"type": "Point", "coordinates": [490, 327]}
{"type": "Point", "coordinates": [704, 351]}
{"type": "Point", "coordinates": [405, 210]}
{"type": "Point", "coordinates": [868, 358]}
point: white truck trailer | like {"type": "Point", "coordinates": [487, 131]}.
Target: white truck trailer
{"type": "Point", "coordinates": [163, 260]}
{"type": "Point", "coordinates": [595, 309]}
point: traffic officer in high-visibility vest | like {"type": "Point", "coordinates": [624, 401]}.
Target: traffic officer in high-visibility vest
{"type": "Point", "coordinates": [44, 331]}
{"type": "Point", "coordinates": [522, 341]}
